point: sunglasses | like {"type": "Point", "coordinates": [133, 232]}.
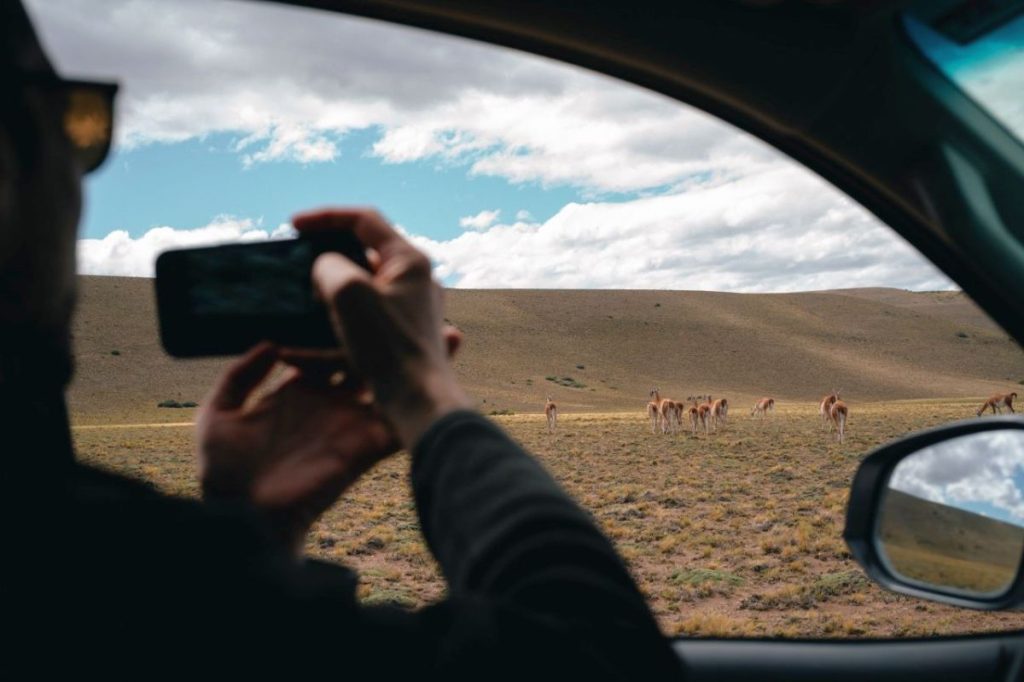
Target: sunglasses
{"type": "Point", "coordinates": [86, 110]}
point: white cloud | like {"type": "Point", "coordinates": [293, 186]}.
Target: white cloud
{"type": "Point", "coordinates": [119, 253]}
{"type": "Point", "coordinates": [779, 230]}
{"type": "Point", "coordinates": [523, 215]}
{"type": "Point", "coordinates": [189, 69]}
{"type": "Point", "coordinates": [480, 221]}
{"type": "Point", "coordinates": [983, 467]}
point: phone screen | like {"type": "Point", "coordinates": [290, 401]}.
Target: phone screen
{"type": "Point", "coordinates": [272, 279]}
{"type": "Point", "coordinates": [221, 300]}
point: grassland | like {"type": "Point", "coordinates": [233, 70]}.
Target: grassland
{"type": "Point", "coordinates": [943, 545]}
{"type": "Point", "coordinates": [736, 534]}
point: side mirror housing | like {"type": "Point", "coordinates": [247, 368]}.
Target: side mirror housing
{"type": "Point", "coordinates": [940, 514]}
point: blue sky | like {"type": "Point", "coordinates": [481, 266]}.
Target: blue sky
{"type": "Point", "coordinates": [510, 170]}
{"type": "Point", "coordinates": [145, 187]}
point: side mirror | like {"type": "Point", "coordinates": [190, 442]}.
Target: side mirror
{"type": "Point", "coordinates": [940, 514]}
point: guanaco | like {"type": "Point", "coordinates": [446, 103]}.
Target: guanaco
{"type": "Point", "coordinates": [825, 407]}
{"type": "Point", "coordinates": [838, 413]}
{"type": "Point", "coordinates": [719, 412]}
{"type": "Point", "coordinates": [704, 414]}
{"type": "Point", "coordinates": [763, 407]}
{"type": "Point", "coordinates": [551, 412]}
{"type": "Point", "coordinates": [997, 402]}
{"type": "Point", "coordinates": [654, 409]}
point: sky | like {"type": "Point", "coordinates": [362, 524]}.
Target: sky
{"type": "Point", "coordinates": [981, 472]}
{"type": "Point", "coordinates": [509, 169]}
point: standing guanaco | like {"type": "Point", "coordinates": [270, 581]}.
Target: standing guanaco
{"type": "Point", "coordinates": [825, 407]}
{"type": "Point", "coordinates": [838, 413]}
{"type": "Point", "coordinates": [763, 407]}
{"type": "Point", "coordinates": [551, 412]}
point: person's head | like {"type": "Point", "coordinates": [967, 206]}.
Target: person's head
{"type": "Point", "coordinates": [51, 132]}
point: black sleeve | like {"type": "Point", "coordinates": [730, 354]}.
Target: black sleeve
{"type": "Point", "coordinates": [534, 586]}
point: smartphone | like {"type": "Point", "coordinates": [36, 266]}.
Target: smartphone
{"type": "Point", "coordinates": [222, 300]}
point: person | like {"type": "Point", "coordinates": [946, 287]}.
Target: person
{"type": "Point", "coordinates": [103, 572]}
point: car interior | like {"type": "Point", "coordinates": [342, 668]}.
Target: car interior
{"type": "Point", "coordinates": [858, 93]}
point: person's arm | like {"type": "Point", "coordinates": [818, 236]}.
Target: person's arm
{"type": "Point", "coordinates": [535, 589]}
{"type": "Point", "coordinates": [526, 563]}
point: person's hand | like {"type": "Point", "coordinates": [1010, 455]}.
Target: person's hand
{"type": "Point", "coordinates": [290, 451]}
{"type": "Point", "coordinates": [390, 321]}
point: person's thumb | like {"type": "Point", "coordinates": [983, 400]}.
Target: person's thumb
{"type": "Point", "coordinates": [357, 313]}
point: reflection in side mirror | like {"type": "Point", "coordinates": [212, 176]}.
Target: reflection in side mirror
{"type": "Point", "coordinates": [952, 515]}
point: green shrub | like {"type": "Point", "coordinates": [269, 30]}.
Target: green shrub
{"type": "Point", "coordinates": [568, 382]}
{"type": "Point", "coordinates": [175, 403]}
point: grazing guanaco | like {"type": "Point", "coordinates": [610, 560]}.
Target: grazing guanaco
{"type": "Point", "coordinates": [763, 407]}
{"type": "Point", "coordinates": [675, 411]}
{"type": "Point", "coordinates": [997, 402]}
{"type": "Point", "coordinates": [667, 412]}
{"type": "Point", "coordinates": [693, 414]}
{"type": "Point", "coordinates": [551, 412]}
{"type": "Point", "coordinates": [825, 407]}
{"type": "Point", "coordinates": [838, 413]}
{"type": "Point", "coordinates": [704, 414]}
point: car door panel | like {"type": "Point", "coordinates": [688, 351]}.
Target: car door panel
{"type": "Point", "coordinates": [979, 659]}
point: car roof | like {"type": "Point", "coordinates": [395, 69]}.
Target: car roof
{"type": "Point", "coordinates": [835, 85]}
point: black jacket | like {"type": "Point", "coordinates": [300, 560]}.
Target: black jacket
{"type": "Point", "coordinates": [118, 577]}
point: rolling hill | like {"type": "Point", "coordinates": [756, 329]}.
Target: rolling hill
{"type": "Point", "coordinates": [603, 350]}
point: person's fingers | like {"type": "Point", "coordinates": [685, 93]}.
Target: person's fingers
{"type": "Point", "coordinates": [452, 339]}
{"type": "Point", "coordinates": [236, 384]}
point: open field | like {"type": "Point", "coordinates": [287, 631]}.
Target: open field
{"type": "Point", "coordinates": [737, 534]}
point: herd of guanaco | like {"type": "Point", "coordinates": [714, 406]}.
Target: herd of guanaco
{"type": "Point", "coordinates": [706, 414]}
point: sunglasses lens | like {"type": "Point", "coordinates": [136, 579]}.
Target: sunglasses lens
{"type": "Point", "coordinates": [88, 123]}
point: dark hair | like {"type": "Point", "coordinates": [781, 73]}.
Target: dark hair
{"type": "Point", "coordinates": [20, 48]}
{"type": "Point", "coordinates": [21, 54]}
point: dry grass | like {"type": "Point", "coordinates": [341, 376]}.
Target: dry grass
{"type": "Point", "coordinates": [737, 534]}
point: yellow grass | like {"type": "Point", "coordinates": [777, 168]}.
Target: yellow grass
{"type": "Point", "coordinates": [736, 534]}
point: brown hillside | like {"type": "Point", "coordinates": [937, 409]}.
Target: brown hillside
{"type": "Point", "coordinates": [953, 305]}
{"type": "Point", "coordinates": [871, 346]}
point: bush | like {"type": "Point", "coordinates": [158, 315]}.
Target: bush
{"type": "Point", "coordinates": [568, 382]}
{"type": "Point", "coordinates": [962, 335]}
{"type": "Point", "coordinates": [496, 413]}
{"type": "Point", "coordinates": [176, 404]}
{"type": "Point", "coordinates": [115, 352]}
